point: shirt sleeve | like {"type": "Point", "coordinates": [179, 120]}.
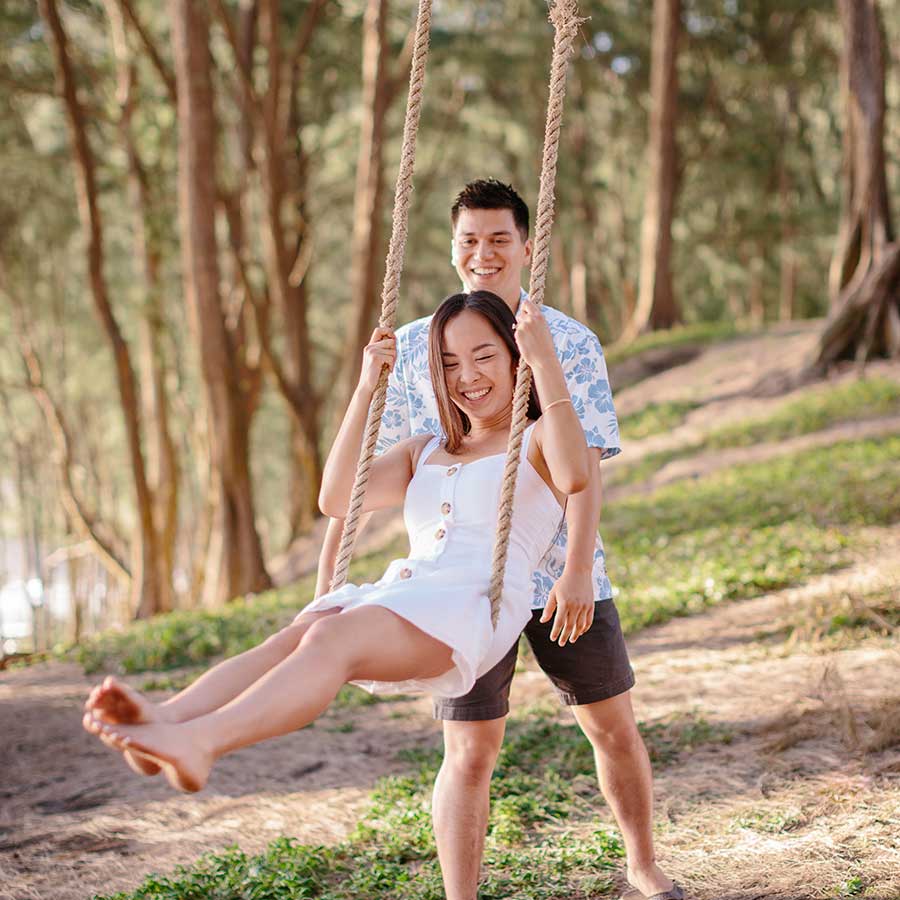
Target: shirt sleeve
{"type": "Point", "coordinates": [395, 425]}
{"type": "Point", "coordinates": [584, 366]}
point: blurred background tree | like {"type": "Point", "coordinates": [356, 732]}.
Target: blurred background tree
{"type": "Point", "coordinates": [194, 211]}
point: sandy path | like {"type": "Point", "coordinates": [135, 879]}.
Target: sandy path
{"type": "Point", "coordinates": [72, 822]}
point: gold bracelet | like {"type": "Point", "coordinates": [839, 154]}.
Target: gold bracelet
{"type": "Point", "coordinates": [550, 406]}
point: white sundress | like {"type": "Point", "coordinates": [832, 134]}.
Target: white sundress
{"type": "Point", "coordinates": [450, 512]}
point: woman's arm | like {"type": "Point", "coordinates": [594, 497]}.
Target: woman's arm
{"type": "Point", "coordinates": [559, 432]}
{"type": "Point", "coordinates": [391, 472]}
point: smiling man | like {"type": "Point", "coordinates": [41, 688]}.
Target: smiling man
{"type": "Point", "coordinates": [572, 601]}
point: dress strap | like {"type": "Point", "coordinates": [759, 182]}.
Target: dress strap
{"type": "Point", "coordinates": [427, 450]}
{"type": "Point", "coordinates": [526, 440]}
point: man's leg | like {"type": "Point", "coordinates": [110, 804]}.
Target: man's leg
{"type": "Point", "coordinates": [461, 802]}
{"type": "Point", "coordinates": [473, 733]}
{"type": "Point", "coordinates": [594, 677]}
{"type": "Point", "coordinates": [626, 780]}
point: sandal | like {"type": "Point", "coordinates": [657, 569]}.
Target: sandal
{"type": "Point", "coordinates": [674, 893]}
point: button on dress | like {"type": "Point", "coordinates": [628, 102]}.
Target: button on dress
{"type": "Point", "coordinates": [450, 513]}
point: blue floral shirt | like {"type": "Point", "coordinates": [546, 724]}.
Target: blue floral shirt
{"type": "Point", "coordinates": [411, 409]}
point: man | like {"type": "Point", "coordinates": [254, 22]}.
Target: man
{"type": "Point", "coordinates": [490, 250]}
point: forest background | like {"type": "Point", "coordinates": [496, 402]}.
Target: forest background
{"type": "Point", "coordinates": [170, 382]}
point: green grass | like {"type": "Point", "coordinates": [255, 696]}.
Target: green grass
{"type": "Point", "coordinates": [735, 534]}
{"type": "Point", "coordinates": [854, 401]}
{"type": "Point", "coordinates": [747, 530]}
{"type": "Point", "coordinates": [543, 842]}
{"type": "Point", "coordinates": [699, 333]}
{"type": "Point", "coordinates": [191, 638]}
{"type": "Point", "coordinates": [655, 418]}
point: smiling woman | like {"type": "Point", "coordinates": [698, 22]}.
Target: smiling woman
{"type": "Point", "coordinates": [465, 378]}
{"type": "Point", "coordinates": [427, 623]}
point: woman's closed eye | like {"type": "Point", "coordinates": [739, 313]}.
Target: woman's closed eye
{"type": "Point", "coordinates": [484, 358]}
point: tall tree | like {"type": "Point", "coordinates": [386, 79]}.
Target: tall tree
{"type": "Point", "coordinates": [146, 569]}
{"type": "Point", "coordinates": [162, 459]}
{"type": "Point", "coordinates": [237, 564]}
{"type": "Point", "coordinates": [864, 280]}
{"type": "Point", "coordinates": [656, 305]}
{"type": "Point", "coordinates": [380, 84]}
{"type": "Point", "coordinates": [271, 143]}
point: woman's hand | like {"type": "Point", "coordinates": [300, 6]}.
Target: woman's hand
{"type": "Point", "coordinates": [533, 336]}
{"type": "Point", "coordinates": [381, 351]}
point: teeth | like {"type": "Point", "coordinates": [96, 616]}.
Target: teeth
{"type": "Point", "coordinates": [475, 395]}
{"type": "Point", "coordinates": [485, 271]}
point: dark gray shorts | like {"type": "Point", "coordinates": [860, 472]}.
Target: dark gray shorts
{"type": "Point", "coordinates": [595, 667]}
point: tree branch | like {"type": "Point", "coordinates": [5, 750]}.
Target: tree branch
{"type": "Point", "coordinates": [165, 74]}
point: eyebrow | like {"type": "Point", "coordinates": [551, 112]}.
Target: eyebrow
{"type": "Point", "coordinates": [493, 233]}
{"type": "Point", "coordinates": [474, 349]}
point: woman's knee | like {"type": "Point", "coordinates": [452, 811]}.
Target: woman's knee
{"type": "Point", "coordinates": [285, 641]}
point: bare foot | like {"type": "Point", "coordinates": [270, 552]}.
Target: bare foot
{"type": "Point", "coordinates": [168, 746]}
{"type": "Point", "coordinates": [115, 703]}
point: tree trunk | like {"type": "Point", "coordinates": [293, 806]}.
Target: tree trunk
{"type": "Point", "coordinates": [368, 197]}
{"type": "Point", "coordinates": [656, 306]}
{"type": "Point", "coordinates": [162, 458]}
{"type": "Point", "coordinates": [865, 225]}
{"type": "Point", "coordinates": [240, 565]}
{"type": "Point", "coordinates": [145, 572]}
{"type": "Point", "coordinates": [864, 280]}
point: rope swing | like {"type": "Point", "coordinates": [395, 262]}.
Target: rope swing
{"type": "Point", "coordinates": [565, 20]}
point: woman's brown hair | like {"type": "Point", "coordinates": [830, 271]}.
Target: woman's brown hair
{"type": "Point", "coordinates": [499, 316]}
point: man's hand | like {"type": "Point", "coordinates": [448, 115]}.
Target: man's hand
{"type": "Point", "coordinates": [572, 599]}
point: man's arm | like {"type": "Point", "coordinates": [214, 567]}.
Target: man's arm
{"type": "Point", "coordinates": [572, 597]}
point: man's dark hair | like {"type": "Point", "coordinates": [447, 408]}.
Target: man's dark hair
{"type": "Point", "coordinates": [488, 193]}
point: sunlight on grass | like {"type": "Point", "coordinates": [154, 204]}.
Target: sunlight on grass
{"type": "Point", "coordinates": [699, 333]}
{"type": "Point", "coordinates": [813, 411]}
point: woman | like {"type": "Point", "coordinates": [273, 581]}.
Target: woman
{"type": "Point", "coordinates": [426, 623]}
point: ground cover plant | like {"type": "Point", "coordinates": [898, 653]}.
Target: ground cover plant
{"type": "Point", "coordinates": [698, 333]}
{"type": "Point", "coordinates": [749, 529]}
{"type": "Point", "coordinates": [733, 534]}
{"type": "Point", "coordinates": [655, 418]}
{"type": "Point", "coordinates": [193, 637]}
{"type": "Point", "coordinates": [544, 792]}
{"type": "Point", "coordinates": [737, 533]}
{"type": "Point", "coordinates": [853, 401]}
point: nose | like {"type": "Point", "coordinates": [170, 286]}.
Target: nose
{"type": "Point", "coordinates": [468, 374]}
{"type": "Point", "coordinates": [484, 250]}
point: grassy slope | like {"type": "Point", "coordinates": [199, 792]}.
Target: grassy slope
{"type": "Point", "coordinates": [853, 401]}
{"type": "Point", "coordinates": [736, 534]}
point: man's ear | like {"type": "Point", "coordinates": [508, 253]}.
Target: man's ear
{"type": "Point", "coordinates": [528, 248]}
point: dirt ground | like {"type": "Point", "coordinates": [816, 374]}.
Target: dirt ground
{"type": "Point", "coordinates": [804, 798]}
{"type": "Point", "coordinates": [791, 808]}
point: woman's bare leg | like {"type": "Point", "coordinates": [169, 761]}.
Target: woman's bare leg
{"type": "Point", "coordinates": [369, 643]}
{"type": "Point", "coordinates": [114, 702]}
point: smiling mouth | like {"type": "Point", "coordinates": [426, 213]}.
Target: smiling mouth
{"type": "Point", "coordinates": [485, 271]}
{"type": "Point", "coordinates": [472, 396]}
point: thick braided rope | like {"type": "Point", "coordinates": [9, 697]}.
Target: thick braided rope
{"type": "Point", "coordinates": [564, 16]}
{"type": "Point", "coordinates": [390, 291]}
